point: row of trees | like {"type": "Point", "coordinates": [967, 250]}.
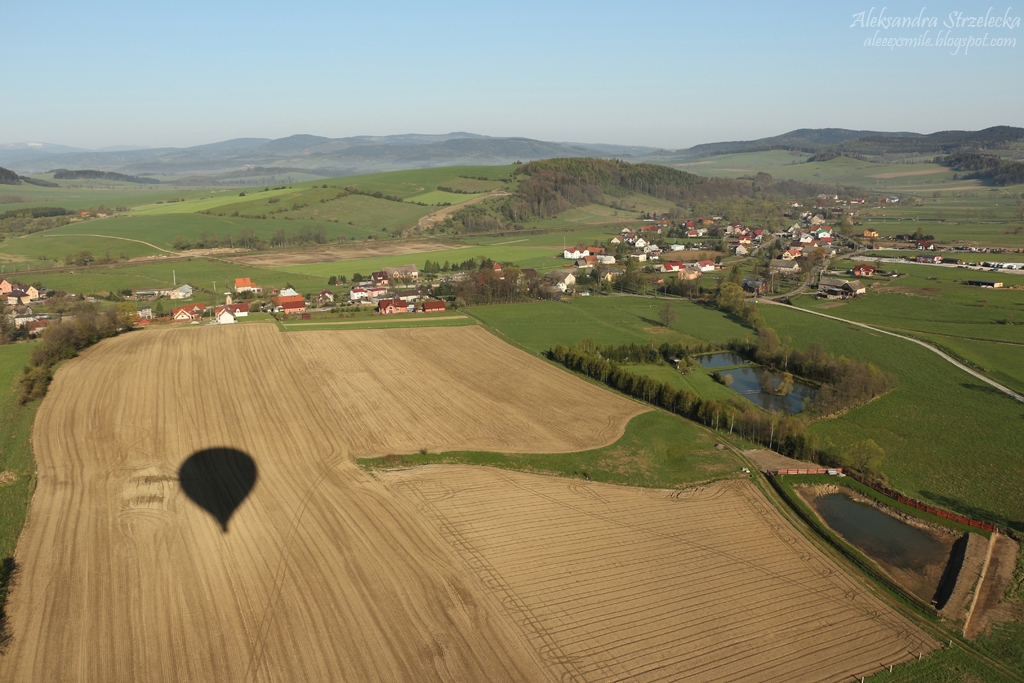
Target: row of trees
{"type": "Point", "coordinates": [65, 339]}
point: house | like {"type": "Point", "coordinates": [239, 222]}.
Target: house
{"type": "Point", "coordinates": [408, 273]}
{"type": "Point", "coordinates": [806, 238]}
{"type": "Point", "coordinates": [615, 240]}
{"type": "Point", "coordinates": [741, 250]}
{"type": "Point", "coordinates": [587, 262]}
{"type": "Point", "coordinates": [605, 259]}
{"type": "Point", "coordinates": [640, 243]}
{"type": "Point", "coordinates": [690, 272]}
{"type": "Point", "coordinates": [755, 285]}
{"type": "Point", "coordinates": [188, 313]}
{"type": "Point", "coordinates": [145, 313]}
{"type": "Point", "coordinates": [868, 232]}
{"type": "Point", "coordinates": [562, 279]}
{"type": "Point", "coordinates": [575, 253]}
{"type": "Point", "coordinates": [834, 288]}
{"type": "Point", "coordinates": [380, 278]}
{"type": "Point", "coordinates": [433, 307]}
{"type": "Point", "coordinates": [290, 303]}
{"type": "Point", "coordinates": [358, 293]}
{"type": "Point", "coordinates": [236, 310]}
{"type": "Point", "coordinates": [706, 266]}
{"type": "Point", "coordinates": [225, 317]}
{"type": "Point", "coordinates": [640, 256]}
{"type": "Point", "coordinates": [595, 251]}
{"type": "Point", "coordinates": [864, 270]}
{"type": "Point", "coordinates": [671, 266]}
{"type": "Point", "coordinates": [244, 284]}
{"type": "Point", "coordinates": [183, 292]}
{"type": "Point", "coordinates": [325, 297]}
{"type": "Point", "coordinates": [288, 291]}
{"type": "Point", "coordinates": [36, 327]}
{"type": "Point", "coordinates": [16, 297]}
{"type": "Point", "coordinates": [392, 306]}
{"type": "Point", "coordinates": [790, 254]}
{"type": "Point", "coordinates": [784, 267]}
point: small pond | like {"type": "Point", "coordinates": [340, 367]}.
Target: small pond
{"type": "Point", "coordinates": [753, 381]}
{"type": "Point", "coordinates": [880, 536]}
{"type": "Point", "coordinates": [721, 360]}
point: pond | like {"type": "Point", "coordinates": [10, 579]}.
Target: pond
{"type": "Point", "coordinates": [721, 360]}
{"type": "Point", "coordinates": [881, 537]}
{"type": "Point", "coordinates": [753, 381]}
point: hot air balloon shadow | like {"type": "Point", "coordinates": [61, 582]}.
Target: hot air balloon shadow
{"type": "Point", "coordinates": [218, 480]}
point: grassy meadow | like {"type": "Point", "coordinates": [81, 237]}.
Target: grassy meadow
{"type": "Point", "coordinates": [657, 450]}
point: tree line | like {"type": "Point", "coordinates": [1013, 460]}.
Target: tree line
{"type": "Point", "coordinates": [65, 339]}
{"type": "Point", "coordinates": [89, 174]}
{"type": "Point", "coordinates": [990, 169]}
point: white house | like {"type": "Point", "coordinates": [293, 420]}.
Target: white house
{"type": "Point", "coordinates": [183, 292]}
{"type": "Point", "coordinates": [605, 260]}
{"type": "Point", "coordinates": [706, 266]}
{"type": "Point", "coordinates": [562, 279]}
{"type": "Point", "coordinates": [640, 243]}
{"type": "Point", "coordinates": [358, 293]}
{"type": "Point", "coordinates": [225, 317]}
{"type": "Point", "coordinates": [288, 291]}
{"type": "Point", "coordinates": [741, 250]}
{"type": "Point", "coordinates": [575, 253]}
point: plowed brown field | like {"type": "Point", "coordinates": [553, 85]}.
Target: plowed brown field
{"type": "Point", "coordinates": [326, 573]}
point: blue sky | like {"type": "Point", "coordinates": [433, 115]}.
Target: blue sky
{"type": "Point", "coordinates": [666, 74]}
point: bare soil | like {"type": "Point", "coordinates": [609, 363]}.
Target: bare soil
{"type": "Point", "coordinates": [967, 580]}
{"type": "Point", "coordinates": [613, 583]}
{"type": "Point", "coordinates": [998, 575]}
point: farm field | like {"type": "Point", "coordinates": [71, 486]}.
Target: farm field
{"type": "Point", "coordinates": [437, 573]}
{"type": "Point", "coordinates": [607, 320]}
{"type": "Point", "coordinates": [318, 551]}
{"type": "Point", "coordinates": [613, 583]}
{"type": "Point", "coordinates": [540, 258]}
{"type": "Point", "coordinates": [925, 450]}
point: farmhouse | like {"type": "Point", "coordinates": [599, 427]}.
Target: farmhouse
{"type": "Point", "coordinates": [189, 312]}
{"type": "Point", "coordinates": [325, 297]}
{"type": "Point", "coordinates": [864, 270]}
{"type": "Point", "coordinates": [406, 274]}
{"type": "Point", "coordinates": [562, 279]}
{"type": "Point", "coordinates": [290, 303]}
{"type": "Point", "coordinates": [237, 310]}
{"type": "Point", "coordinates": [358, 293]}
{"type": "Point", "coordinates": [671, 266]}
{"type": "Point", "coordinates": [145, 312]}
{"type": "Point", "coordinates": [392, 306]}
{"type": "Point", "coordinates": [183, 292]}
{"type": "Point", "coordinates": [755, 285]}
{"type": "Point", "coordinates": [244, 284]}
{"type": "Point", "coordinates": [689, 272]}
{"type": "Point", "coordinates": [706, 266]}
{"type": "Point", "coordinates": [784, 267]}
{"type": "Point", "coordinates": [834, 288]}
{"type": "Point", "coordinates": [433, 307]}
{"type": "Point", "coordinates": [225, 317]}
{"type": "Point", "coordinates": [868, 232]}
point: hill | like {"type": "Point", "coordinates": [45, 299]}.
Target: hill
{"type": "Point", "coordinates": [826, 142]}
{"type": "Point", "coordinates": [321, 156]}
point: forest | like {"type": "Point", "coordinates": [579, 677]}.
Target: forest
{"type": "Point", "coordinates": [989, 169]}
{"type": "Point", "coordinates": [86, 174]}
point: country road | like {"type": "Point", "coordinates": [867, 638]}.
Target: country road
{"type": "Point", "coordinates": [946, 357]}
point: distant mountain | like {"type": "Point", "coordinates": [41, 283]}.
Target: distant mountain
{"type": "Point", "coordinates": [863, 142]}
{"type": "Point", "coordinates": [312, 153]}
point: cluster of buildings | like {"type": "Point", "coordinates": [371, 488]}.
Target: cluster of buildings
{"type": "Point", "coordinates": [396, 290]}
{"type": "Point", "coordinates": [20, 296]}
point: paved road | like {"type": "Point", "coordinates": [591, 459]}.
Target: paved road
{"type": "Point", "coordinates": [931, 348]}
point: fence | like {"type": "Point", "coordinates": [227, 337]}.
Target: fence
{"type": "Point", "coordinates": [897, 496]}
{"type": "Point", "coordinates": [938, 512]}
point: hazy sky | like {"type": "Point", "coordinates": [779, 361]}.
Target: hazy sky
{"type": "Point", "coordinates": [666, 74]}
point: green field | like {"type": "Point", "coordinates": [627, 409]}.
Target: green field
{"type": "Point", "coordinates": [607, 320]}
{"type": "Point", "coordinates": [15, 457]}
{"type": "Point", "coordinates": [657, 450]}
{"type": "Point", "coordinates": [542, 259]}
{"type": "Point", "coordinates": [948, 437]}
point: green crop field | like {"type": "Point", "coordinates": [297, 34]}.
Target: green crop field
{"type": "Point", "coordinates": [15, 456]}
{"type": "Point", "coordinates": [948, 437]}
{"type": "Point", "coordinates": [657, 450]}
{"type": "Point", "coordinates": [543, 259]}
{"type": "Point", "coordinates": [439, 197]}
{"type": "Point", "coordinates": [200, 273]}
{"type": "Point", "coordinates": [607, 320]}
